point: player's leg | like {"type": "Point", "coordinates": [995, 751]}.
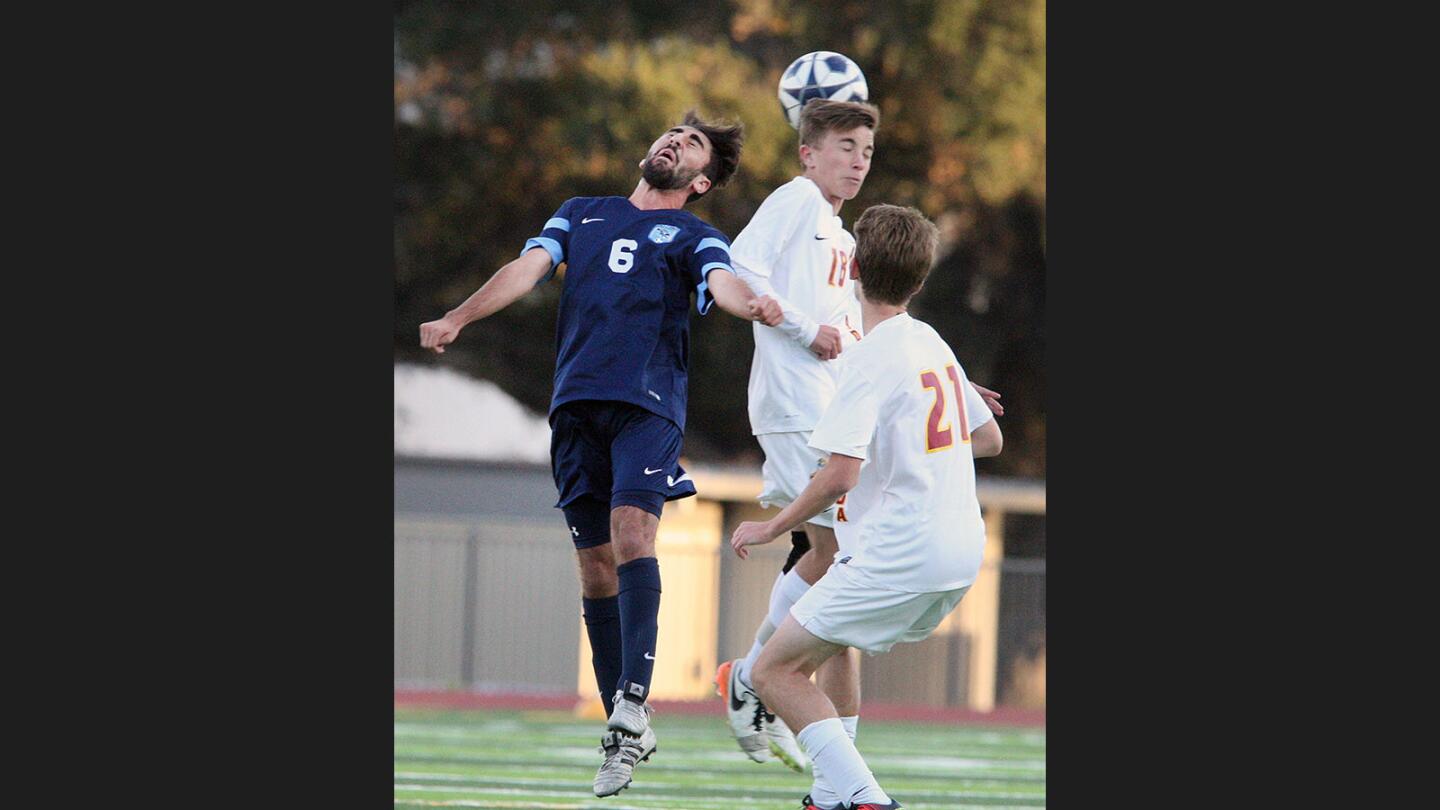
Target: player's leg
{"type": "Point", "coordinates": [808, 569]}
{"type": "Point", "coordinates": [580, 459]}
{"type": "Point", "coordinates": [644, 458]}
{"type": "Point", "coordinates": [750, 722]}
{"type": "Point", "coordinates": [782, 677]}
{"type": "Point", "coordinates": [630, 739]}
{"type": "Point", "coordinates": [789, 464]}
{"type": "Point", "coordinates": [638, 583]}
{"type": "Point", "coordinates": [844, 609]}
{"type": "Point", "coordinates": [582, 477]}
{"type": "Point", "coordinates": [599, 593]}
{"type": "Point", "coordinates": [839, 679]}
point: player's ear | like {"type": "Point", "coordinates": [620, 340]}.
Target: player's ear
{"type": "Point", "coordinates": [854, 269]}
{"type": "Point", "coordinates": [700, 184]}
{"type": "Point", "coordinates": [805, 151]}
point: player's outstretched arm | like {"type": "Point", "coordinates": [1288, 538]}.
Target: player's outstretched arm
{"type": "Point", "coordinates": [824, 340]}
{"type": "Point", "coordinates": [508, 284]}
{"type": "Point", "coordinates": [836, 478]}
{"type": "Point", "coordinates": [737, 299]}
{"type": "Point", "coordinates": [986, 440]}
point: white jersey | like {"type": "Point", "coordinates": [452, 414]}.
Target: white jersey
{"type": "Point", "coordinates": [796, 250]}
{"type": "Point", "coordinates": [904, 405]}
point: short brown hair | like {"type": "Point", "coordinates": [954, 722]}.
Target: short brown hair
{"type": "Point", "coordinates": [894, 249]}
{"type": "Point", "coordinates": [819, 116]}
{"type": "Point", "coordinates": [726, 141]}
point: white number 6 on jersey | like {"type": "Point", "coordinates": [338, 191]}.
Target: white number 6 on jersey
{"type": "Point", "coordinates": [622, 255]}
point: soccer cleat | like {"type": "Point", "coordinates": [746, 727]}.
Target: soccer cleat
{"type": "Point", "coordinates": [783, 745]}
{"type": "Point", "coordinates": [811, 804]}
{"type": "Point", "coordinates": [744, 711]}
{"type": "Point", "coordinates": [894, 805]}
{"type": "Point", "coordinates": [629, 717]}
{"type": "Point", "coordinates": [622, 752]}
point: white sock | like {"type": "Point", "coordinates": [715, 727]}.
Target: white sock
{"type": "Point", "coordinates": [820, 789]}
{"type": "Point", "coordinates": [786, 591]}
{"type": "Point", "coordinates": [742, 669]}
{"type": "Point", "coordinates": [832, 751]}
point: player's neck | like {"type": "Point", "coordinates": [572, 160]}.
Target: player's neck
{"type": "Point", "coordinates": [872, 315]}
{"type": "Point", "coordinates": [647, 198]}
{"type": "Point", "coordinates": [835, 202]}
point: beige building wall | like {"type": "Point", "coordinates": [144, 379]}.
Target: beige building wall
{"type": "Point", "coordinates": [470, 578]}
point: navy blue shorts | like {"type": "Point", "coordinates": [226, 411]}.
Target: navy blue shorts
{"type": "Point", "coordinates": [609, 454]}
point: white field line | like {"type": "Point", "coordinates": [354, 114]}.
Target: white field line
{"type": "Point", "coordinates": [570, 789]}
{"type": "Point", "coordinates": [499, 803]}
{"type": "Point", "coordinates": [947, 735]}
{"type": "Point", "coordinates": [570, 794]}
{"type": "Point", "coordinates": [899, 763]}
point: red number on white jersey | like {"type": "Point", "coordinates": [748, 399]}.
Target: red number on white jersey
{"type": "Point", "coordinates": [938, 434]}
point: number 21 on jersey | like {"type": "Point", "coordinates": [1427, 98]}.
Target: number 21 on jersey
{"type": "Point", "coordinates": [938, 433]}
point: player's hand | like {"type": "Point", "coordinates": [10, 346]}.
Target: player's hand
{"type": "Point", "coordinates": [750, 533]}
{"type": "Point", "coordinates": [766, 310]}
{"type": "Point", "coordinates": [826, 344]}
{"type": "Point", "coordinates": [435, 335]}
{"type": "Point", "coordinates": [992, 399]}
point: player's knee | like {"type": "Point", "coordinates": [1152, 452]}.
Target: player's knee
{"type": "Point", "coordinates": [632, 532]}
{"type": "Point", "coordinates": [762, 677]}
{"type": "Point", "coordinates": [822, 542]}
{"type": "Point", "coordinates": [597, 572]}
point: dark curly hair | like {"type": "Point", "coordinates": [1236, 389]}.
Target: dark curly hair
{"type": "Point", "coordinates": [726, 141]}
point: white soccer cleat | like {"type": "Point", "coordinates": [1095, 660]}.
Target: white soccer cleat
{"type": "Point", "coordinates": [629, 717]}
{"type": "Point", "coordinates": [782, 743]}
{"type": "Point", "coordinates": [622, 752]}
{"type": "Point", "coordinates": [744, 711]}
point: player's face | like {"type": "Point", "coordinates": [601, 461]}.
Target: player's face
{"type": "Point", "coordinates": [677, 159]}
{"type": "Point", "coordinates": [841, 162]}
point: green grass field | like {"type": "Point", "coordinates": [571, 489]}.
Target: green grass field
{"type": "Point", "coordinates": [546, 759]}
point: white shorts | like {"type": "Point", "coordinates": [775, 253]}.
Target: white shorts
{"type": "Point", "coordinates": [790, 462]}
{"type": "Point", "coordinates": [842, 609]}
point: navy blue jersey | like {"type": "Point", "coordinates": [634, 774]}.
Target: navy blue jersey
{"type": "Point", "coordinates": [624, 330]}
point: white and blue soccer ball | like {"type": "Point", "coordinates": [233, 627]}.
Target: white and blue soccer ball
{"type": "Point", "coordinates": [821, 74]}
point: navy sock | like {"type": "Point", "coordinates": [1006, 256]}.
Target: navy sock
{"type": "Point", "coordinates": [602, 625]}
{"type": "Point", "coordinates": [639, 614]}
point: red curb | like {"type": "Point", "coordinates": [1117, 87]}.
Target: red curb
{"type": "Point", "coordinates": [896, 712]}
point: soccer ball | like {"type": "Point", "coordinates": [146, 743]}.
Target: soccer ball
{"type": "Point", "coordinates": [822, 74]}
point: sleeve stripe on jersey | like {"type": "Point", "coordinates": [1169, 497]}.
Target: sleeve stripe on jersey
{"type": "Point", "coordinates": [557, 222]}
{"type": "Point", "coordinates": [703, 299]}
{"type": "Point", "coordinates": [709, 242]}
{"type": "Point", "coordinates": [551, 246]}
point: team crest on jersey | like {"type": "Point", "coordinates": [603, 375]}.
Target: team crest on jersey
{"type": "Point", "coordinates": [661, 234]}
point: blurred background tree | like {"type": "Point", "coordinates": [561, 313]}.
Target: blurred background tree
{"type": "Point", "coordinates": [503, 111]}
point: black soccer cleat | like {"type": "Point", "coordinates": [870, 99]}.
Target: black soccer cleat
{"type": "Point", "coordinates": [811, 804]}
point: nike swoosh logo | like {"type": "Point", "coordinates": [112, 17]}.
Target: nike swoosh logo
{"type": "Point", "coordinates": [649, 471]}
{"type": "Point", "coordinates": [672, 481]}
{"type": "Point", "coordinates": [818, 236]}
{"type": "Point", "coordinates": [736, 704]}
{"type": "Point", "coordinates": [649, 657]}
{"type": "Point", "coordinates": [589, 220]}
